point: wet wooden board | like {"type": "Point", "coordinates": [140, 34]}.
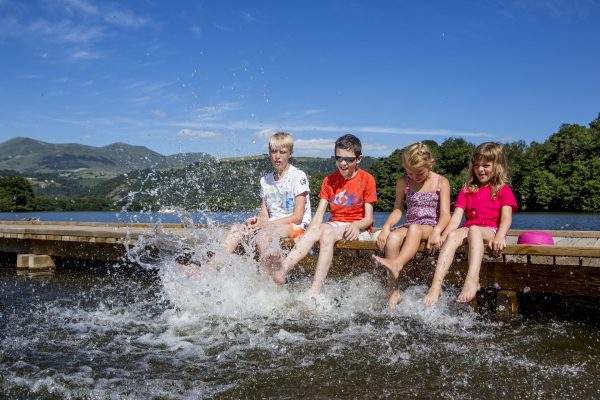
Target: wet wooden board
{"type": "Point", "coordinates": [571, 266]}
{"type": "Point", "coordinates": [572, 247]}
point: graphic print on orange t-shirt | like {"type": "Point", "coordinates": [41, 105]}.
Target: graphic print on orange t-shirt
{"type": "Point", "coordinates": [347, 197]}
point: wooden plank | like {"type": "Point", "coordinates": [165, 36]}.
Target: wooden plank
{"type": "Point", "coordinates": [584, 242]}
{"type": "Point", "coordinates": [590, 262]}
{"type": "Point", "coordinates": [553, 250]}
{"type": "Point", "coordinates": [561, 279]}
{"type": "Point", "coordinates": [543, 260]}
{"type": "Point", "coordinates": [515, 258]}
{"type": "Point", "coordinates": [113, 233]}
{"type": "Point", "coordinates": [566, 260]}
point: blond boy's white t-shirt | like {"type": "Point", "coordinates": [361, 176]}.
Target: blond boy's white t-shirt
{"type": "Point", "coordinates": [280, 196]}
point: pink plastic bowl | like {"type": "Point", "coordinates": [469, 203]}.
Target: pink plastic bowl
{"type": "Point", "coordinates": [535, 238]}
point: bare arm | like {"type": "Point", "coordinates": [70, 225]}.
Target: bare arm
{"type": "Point", "coordinates": [317, 219]}
{"type": "Point", "coordinates": [395, 215]}
{"type": "Point", "coordinates": [499, 242]}
{"type": "Point", "coordinates": [454, 223]}
{"type": "Point", "coordinates": [353, 230]}
{"type": "Point", "coordinates": [434, 241]}
{"type": "Point", "coordinates": [257, 221]}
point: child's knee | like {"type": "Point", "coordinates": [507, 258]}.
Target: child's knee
{"type": "Point", "coordinates": [326, 239]}
{"type": "Point", "coordinates": [454, 235]}
{"type": "Point", "coordinates": [310, 236]}
{"type": "Point", "coordinates": [475, 232]}
{"type": "Point", "coordinates": [414, 229]}
{"type": "Point", "coordinates": [399, 234]}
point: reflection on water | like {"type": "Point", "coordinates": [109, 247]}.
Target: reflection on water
{"type": "Point", "coordinates": [229, 332]}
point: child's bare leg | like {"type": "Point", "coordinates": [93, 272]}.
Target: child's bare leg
{"type": "Point", "coordinates": [416, 233]}
{"type": "Point", "coordinates": [394, 299]}
{"type": "Point", "coordinates": [268, 243]}
{"type": "Point", "coordinates": [392, 249]}
{"type": "Point", "coordinates": [234, 237]}
{"type": "Point", "coordinates": [414, 236]}
{"type": "Point", "coordinates": [476, 248]}
{"type": "Point", "coordinates": [454, 240]}
{"type": "Point", "coordinates": [300, 250]}
{"type": "Point", "coordinates": [329, 235]}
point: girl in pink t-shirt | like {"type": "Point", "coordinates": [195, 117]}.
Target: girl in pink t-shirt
{"type": "Point", "coordinates": [487, 203]}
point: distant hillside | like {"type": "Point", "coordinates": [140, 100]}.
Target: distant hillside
{"type": "Point", "coordinates": [227, 184]}
{"type": "Point", "coordinates": [74, 176]}
{"type": "Point", "coordinates": [27, 156]}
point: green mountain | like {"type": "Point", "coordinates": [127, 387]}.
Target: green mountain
{"type": "Point", "coordinates": [28, 155]}
{"type": "Point", "coordinates": [226, 184]}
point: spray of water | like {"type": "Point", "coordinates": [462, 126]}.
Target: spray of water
{"type": "Point", "coordinates": [193, 321]}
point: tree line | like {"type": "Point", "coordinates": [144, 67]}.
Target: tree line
{"type": "Point", "coordinates": [560, 174]}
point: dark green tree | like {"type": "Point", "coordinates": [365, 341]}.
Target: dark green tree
{"type": "Point", "coordinates": [16, 194]}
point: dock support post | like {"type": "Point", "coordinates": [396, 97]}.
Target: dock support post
{"type": "Point", "coordinates": [35, 264]}
{"type": "Point", "coordinates": [507, 303]}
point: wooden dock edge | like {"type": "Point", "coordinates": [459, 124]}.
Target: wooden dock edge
{"type": "Point", "coordinates": [570, 270]}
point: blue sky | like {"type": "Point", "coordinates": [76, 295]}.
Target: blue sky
{"type": "Point", "coordinates": [221, 76]}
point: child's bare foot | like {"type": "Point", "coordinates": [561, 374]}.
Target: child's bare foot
{"type": "Point", "coordinates": [432, 297]}
{"type": "Point", "coordinates": [271, 262]}
{"type": "Point", "coordinates": [393, 300]}
{"type": "Point", "coordinates": [469, 290]}
{"type": "Point", "coordinates": [190, 270]}
{"type": "Point", "coordinates": [278, 277]}
{"type": "Point", "coordinates": [390, 265]}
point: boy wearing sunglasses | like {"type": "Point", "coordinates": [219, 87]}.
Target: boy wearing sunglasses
{"type": "Point", "coordinates": [350, 193]}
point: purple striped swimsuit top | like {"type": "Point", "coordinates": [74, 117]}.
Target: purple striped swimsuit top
{"type": "Point", "coordinates": [422, 208]}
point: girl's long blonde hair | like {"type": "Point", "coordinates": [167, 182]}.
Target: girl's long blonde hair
{"type": "Point", "coordinates": [494, 153]}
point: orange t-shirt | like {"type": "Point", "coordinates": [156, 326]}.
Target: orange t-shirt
{"type": "Point", "coordinates": [347, 197]}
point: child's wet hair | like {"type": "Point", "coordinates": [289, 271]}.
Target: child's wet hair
{"type": "Point", "coordinates": [281, 140]}
{"type": "Point", "coordinates": [349, 142]}
{"type": "Point", "coordinates": [417, 155]}
{"type": "Point", "coordinates": [496, 154]}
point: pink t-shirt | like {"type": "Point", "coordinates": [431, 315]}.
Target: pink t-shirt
{"type": "Point", "coordinates": [347, 197]}
{"type": "Point", "coordinates": [481, 210]}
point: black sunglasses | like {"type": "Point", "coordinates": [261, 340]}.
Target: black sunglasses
{"type": "Point", "coordinates": [348, 160]}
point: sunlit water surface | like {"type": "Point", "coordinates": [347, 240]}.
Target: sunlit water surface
{"type": "Point", "coordinates": [165, 331]}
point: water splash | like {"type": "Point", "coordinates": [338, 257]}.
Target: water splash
{"type": "Point", "coordinates": [197, 322]}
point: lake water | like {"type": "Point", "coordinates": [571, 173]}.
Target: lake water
{"type": "Point", "coordinates": [160, 332]}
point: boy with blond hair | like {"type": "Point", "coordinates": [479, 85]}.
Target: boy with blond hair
{"type": "Point", "coordinates": [285, 204]}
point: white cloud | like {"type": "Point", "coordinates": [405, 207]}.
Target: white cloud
{"type": "Point", "coordinates": [313, 146]}
{"type": "Point", "coordinates": [124, 18]}
{"type": "Point", "coordinates": [210, 113]}
{"type": "Point", "coordinates": [159, 113]}
{"type": "Point", "coordinates": [327, 146]}
{"type": "Point", "coordinates": [339, 129]}
{"type": "Point", "coordinates": [197, 30]}
{"type": "Point", "coordinates": [266, 133]}
{"type": "Point", "coordinates": [79, 6]}
{"type": "Point", "coordinates": [375, 148]}
{"type": "Point", "coordinates": [62, 32]}
{"type": "Point", "coordinates": [144, 92]}
{"type": "Point", "coordinates": [303, 113]}
{"type": "Point", "coordinates": [199, 134]}
{"type": "Point", "coordinates": [108, 13]}
{"type": "Point", "coordinates": [77, 55]}
{"type": "Point", "coordinates": [249, 18]}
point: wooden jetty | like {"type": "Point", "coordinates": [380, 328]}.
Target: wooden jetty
{"type": "Point", "coordinates": [570, 267]}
